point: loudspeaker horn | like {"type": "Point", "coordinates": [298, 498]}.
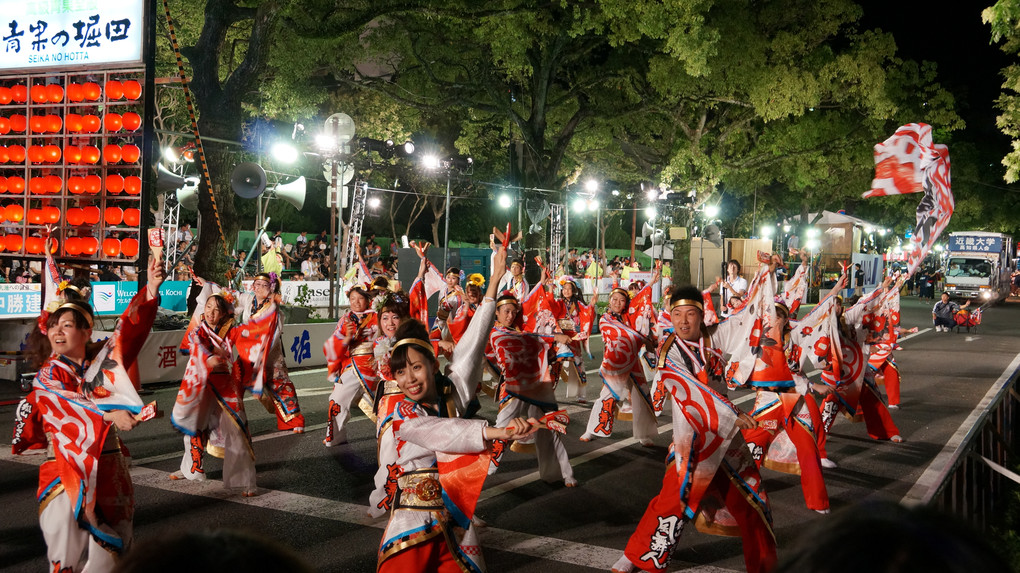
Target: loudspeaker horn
{"type": "Point", "coordinates": [293, 192]}
{"type": "Point", "coordinates": [248, 180]}
{"type": "Point", "coordinates": [187, 195]}
{"type": "Point", "coordinates": [657, 235]}
{"type": "Point", "coordinates": [167, 180]}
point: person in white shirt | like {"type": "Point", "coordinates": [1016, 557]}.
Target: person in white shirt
{"type": "Point", "coordinates": [733, 285]}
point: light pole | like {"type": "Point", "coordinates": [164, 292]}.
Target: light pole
{"type": "Point", "coordinates": [334, 144]}
{"type": "Point", "coordinates": [432, 163]}
{"type": "Point", "coordinates": [708, 212]}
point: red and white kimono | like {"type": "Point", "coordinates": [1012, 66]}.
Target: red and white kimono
{"type": "Point", "coordinates": [528, 391]}
{"type": "Point", "coordinates": [881, 362]}
{"type": "Point", "coordinates": [855, 392]}
{"type": "Point", "coordinates": [516, 285]}
{"type": "Point", "coordinates": [277, 393]}
{"type": "Point", "coordinates": [623, 376]}
{"type": "Point", "coordinates": [86, 500]}
{"type": "Point", "coordinates": [576, 320]}
{"type": "Point", "coordinates": [431, 470]}
{"type": "Point", "coordinates": [710, 477]}
{"type": "Point", "coordinates": [209, 409]}
{"type": "Point", "coordinates": [351, 368]}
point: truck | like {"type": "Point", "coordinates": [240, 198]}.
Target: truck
{"type": "Point", "coordinates": [979, 265]}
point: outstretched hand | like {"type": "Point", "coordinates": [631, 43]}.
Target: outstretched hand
{"type": "Point", "coordinates": [517, 429]}
{"type": "Point", "coordinates": [156, 276]}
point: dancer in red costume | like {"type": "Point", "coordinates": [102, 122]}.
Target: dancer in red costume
{"type": "Point", "coordinates": [277, 394]}
{"type": "Point", "coordinates": [82, 395]}
{"type": "Point", "coordinates": [710, 477]}
{"type": "Point", "coordinates": [350, 362]}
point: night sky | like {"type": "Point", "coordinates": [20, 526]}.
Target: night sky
{"type": "Point", "coordinates": [952, 35]}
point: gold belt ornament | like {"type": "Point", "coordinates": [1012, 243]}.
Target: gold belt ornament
{"type": "Point", "coordinates": [390, 388]}
{"type": "Point", "coordinates": [566, 324]}
{"type": "Point", "coordinates": [362, 349]}
{"type": "Point", "coordinates": [419, 489]}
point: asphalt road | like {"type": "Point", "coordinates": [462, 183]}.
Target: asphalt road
{"type": "Point", "coordinates": [313, 499]}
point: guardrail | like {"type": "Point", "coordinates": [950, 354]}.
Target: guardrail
{"type": "Point", "coordinates": [975, 472]}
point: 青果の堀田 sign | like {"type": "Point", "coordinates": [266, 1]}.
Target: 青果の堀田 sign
{"type": "Point", "coordinates": [39, 34]}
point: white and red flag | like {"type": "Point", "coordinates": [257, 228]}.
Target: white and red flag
{"type": "Point", "coordinates": [908, 162]}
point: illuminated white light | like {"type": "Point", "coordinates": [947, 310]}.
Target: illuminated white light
{"type": "Point", "coordinates": [325, 142]}
{"type": "Point", "coordinates": [766, 231]}
{"type": "Point", "coordinates": [881, 232]}
{"type": "Point", "coordinates": [284, 152]}
{"type": "Point", "coordinates": [593, 205]}
{"type": "Point", "coordinates": [711, 211]}
{"type": "Point", "coordinates": [430, 162]}
{"type": "Point", "coordinates": [786, 228]}
{"type": "Point", "coordinates": [409, 147]}
{"type": "Point", "coordinates": [812, 233]}
{"type": "Point", "coordinates": [812, 244]}
{"type": "Point", "coordinates": [650, 213]}
{"type": "Point", "coordinates": [616, 192]}
{"type": "Point", "coordinates": [505, 201]}
{"type": "Point", "coordinates": [374, 202]}
{"type": "Point", "coordinates": [591, 185]}
{"type": "Point", "coordinates": [580, 205]}
{"type": "Point", "coordinates": [170, 155]}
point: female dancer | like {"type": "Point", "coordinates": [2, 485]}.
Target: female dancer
{"type": "Point", "coordinates": [575, 319]}
{"type": "Point", "coordinates": [523, 361]}
{"type": "Point", "coordinates": [350, 360]}
{"type": "Point", "coordinates": [81, 396]}
{"type": "Point", "coordinates": [278, 395]}
{"type": "Point", "coordinates": [621, 372]}
{"type": "Point", "coordinates": [430, 524]}
{"type": "Point", "coordinates": [209, 409]}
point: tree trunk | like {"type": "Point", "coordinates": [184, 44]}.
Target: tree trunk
{"type": "Point", "coordinates": [213, 262]}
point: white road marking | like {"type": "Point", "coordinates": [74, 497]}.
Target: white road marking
{"type": "Point", "coordinates": [547, 548]}
{"type": "Point", "coordinates": [918, 333]}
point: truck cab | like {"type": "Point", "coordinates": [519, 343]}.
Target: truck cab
{"type": "Point", "coordinates": [979, 266]}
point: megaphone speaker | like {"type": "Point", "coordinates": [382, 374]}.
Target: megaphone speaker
{"type": "Point", "coordinates": [647, 229]}
{"type": "Point", "coordinates": [167, 180]}
{"type": "Point", "coordinates": [248, 180]}
{"type": "Point", "coordinates": [187, 195]}
{"type": "Point", "coordinates": [293, 192]}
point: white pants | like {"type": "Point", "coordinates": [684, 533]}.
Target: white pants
{"type": "Point", "coordinates": [575, 389]}
{"type": "Point", "coordinates": [70, 546]}
{"type": "Point", "coordinates": [345, 394]}
{"type": "Point", "coordinates": [238, 462]}
{"type": "Point", "coordinates": [602, 418]}
{"type": "Point", "coordinates": [553, 462]}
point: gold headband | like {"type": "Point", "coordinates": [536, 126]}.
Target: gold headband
{"type": "Point", "coordinates": [425, 344]}
{"type": "Point", "coordinates": [688, 302]}
{"type": "Point", "coordinates": [506, 301]}
{"type": "Point", "coordinates": [621, 291]}
{"type": "Point", "coordinates": [79, 309]}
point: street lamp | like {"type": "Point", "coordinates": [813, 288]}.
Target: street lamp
{"type": "Point", "coordinates": [284, 152]}
{"type": "Point", "coordinates": [374, 202]}
{"type": "Point", "coordinates": [432, 162]}
{"type": "Point", "coordinates": [505, 201]}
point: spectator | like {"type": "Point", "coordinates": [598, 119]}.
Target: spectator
{"type": "Point", "coordinates": [183, 234]}
{"type": "Point", "coordinates": [310, 267]}
{"type": "Point", "coordinates": [302, 240]}
{"type": "Point", "coordinates": [943, 314]}
{"type": "Point", "coordinates": [858, 280]}
{"type": "Point", "coordinates": [106, 274]}
{"type": "Point", "coordinates": [733, 284]}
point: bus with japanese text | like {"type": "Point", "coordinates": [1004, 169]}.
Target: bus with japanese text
{"type": "Point", "coordinates": [979, 265]}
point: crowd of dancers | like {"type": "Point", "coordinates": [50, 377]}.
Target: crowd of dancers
{"type": "Point", "coordinates": [434, 453]}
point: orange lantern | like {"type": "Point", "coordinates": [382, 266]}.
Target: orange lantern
{"type": "Point", "coordinates": [54, 184]}
{"type": "Point", "coordinates": [93, 185]}
{"type": "Point", "coordinates": [76, 185]}
{"type": "Point", "coordinates": [5, 126]}
{"type": "Point", "coordinates": [3, 247]}
{"type": "Point", "coordinates": [3, 184]}
{"type": "Point", "coordinates": [51, 153]}
{"type": "Point", "coordinates": [19, 94]}
{"type": "Point", "coordinates": [114, 215]}
{"type": "Point", "coordinates": [37, 123]}
{"type": "Point", "coordinates": [132, 89]}
{"type": "Point", "coordinates": [5, 96]}
{"type": "Point", "coordinates": [34, 245]}
{"type": "Point", "coordinates": [74, 217]}
{"type": "Point", "coordinates": [54, 93]}
{"type": "Point", "coordinates": [51, 214]}
{"type": "Point", "coordinates": [16, 185]}
{"type": "Point", "coordinates": [13, 243]}
{"type": "Point", "coordinates": [17, 153]}
{"type": "Point", "coordinates": [73, 122]}
{"type": "Point", "coordinates": [72, 154]}
{"type": "Point", "coordinates": [36, 186]}
{"type": "Point", "coordinates": [3, 213]}
{"type": "Point", "coordinates": [132, 217]}
{"type": "Point", "coordinates": [133, 185]}
{"type": "Point", "coordinates": [15, 213]}
{"type": "Point", "coordinates": [114, 90]}
{"type": "Point", "coordinates": [35, 216]}
{"type": "Point", "coordinates": [113, 122]}
{"type": "Point", "coordinates": [89, 245]}
{"type": "Point", "coordinates": [115, 184]}
{"type": "Point", "coordinates": [111, 247]}
{"type": "Point", "coordinates": [90, 154]}
{"type": "Point", "coordinates": [75, 92]}
{"type": "Point", "coordinates": [53, 123]}
{"type": "Point", "coordinates": [72, 246]}
{"type": "Point", "coordinates": [19, 123]}
{"type": "Point", "coordinates": [90, 123]}
{"type": "Point", "coordinates": [92, 91]}
{"type": "Point", "coordinates": [130, 153]}
{"type": "Point", "coordinates": [129, 247]}
{"type": "Point", "coordinates": [35, 153]}
{"type": "Point", "coordinates": [4, 155]}
{"type": "Point", "coordinates": [38, 94]}
{"type": "Point", "coordinates": [112, 153]}
{"type": "Point", "coordinates": [132, 121]}
{"type": "Point", "coordinates": [91, 214]}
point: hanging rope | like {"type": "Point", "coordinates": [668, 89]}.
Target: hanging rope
{"type": "Point", "coordinates": [194, 123]}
